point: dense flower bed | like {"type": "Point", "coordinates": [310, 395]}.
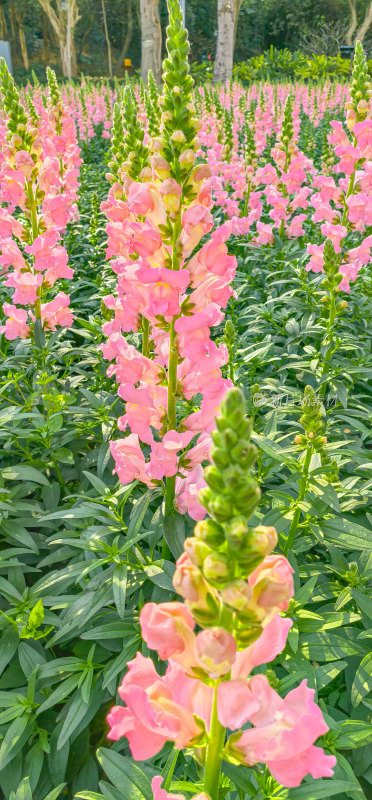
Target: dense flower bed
{"type": "Point", "coordinates": [172, 261]}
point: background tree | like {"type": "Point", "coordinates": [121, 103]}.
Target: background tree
{"type": "Point", "coordinates": [325, 38]}
{"type": "Point", "coordinates": [108, 43]}
{"type": "Point", "coordinates": [227, 18]}
{"type": "Point", "coordinates": [359, 23]}
{"type": "Point", "coordinates": [18, 12]}
{"type": "Point", "coordinates": [63, 18]}
{"type": "Point", "coordinates": [151, 39]}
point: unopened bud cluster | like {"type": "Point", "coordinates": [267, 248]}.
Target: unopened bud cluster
{"type": "Point", "coordinates": [311, 421]}
{"type": "Point", "coordinates": [217, 573]}
{"type": "Point", "coordinates": [332, 277]}
{"type": "Point", "coordinates": [358, 107]}
{"type": "Point", "coordinates": [313, 425]}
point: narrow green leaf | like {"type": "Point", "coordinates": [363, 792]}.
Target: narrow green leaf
{"type": "Point", "coordinates": [119, 587]}
{"type": "Point", "coordinates": [22, 472]}
{"type": "Point", "coordinates": [319, 789]}
{"type": "Point", "coordinates": [174, 532]}
{"type": "Point", "coordinates": [60, 693]}
{"type": "Point", "coordinates": [12, 736]}
{"type": "Point", "coordinates": [75, 714]}
{"type": "Point", "coordinates": [124, 773]}
{"type": "Point", "coordinates": [354, 733]}
{"type": "Point", "coordinates": [8, 645]}
{"type": "Point", "coordinates": [362, 683]}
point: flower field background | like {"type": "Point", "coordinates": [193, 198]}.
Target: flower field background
{"type": "Point", "coordinates": [160, 251]}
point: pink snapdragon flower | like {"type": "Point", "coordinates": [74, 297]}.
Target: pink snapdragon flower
{"type": "Point", "coordinates": [161, 794]}
{"type": "Point", "coordinates": [158, 709]}
{"type": "Point", "coordinates": [16, 322]}
{"type": "Point", "coordinates": [284, 733]}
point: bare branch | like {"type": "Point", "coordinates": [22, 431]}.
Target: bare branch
{"type": "Point", "coordinates": [363, 28]}
{"type": "Point", "coordinates": [353, 23]}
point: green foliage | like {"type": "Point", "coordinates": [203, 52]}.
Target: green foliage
{"type": "Point", "coordinates": [283, 65]}
{"type": "Point", "coordinates": [16, 116]}
{"type": "Point", "coordinates": [80, 554]}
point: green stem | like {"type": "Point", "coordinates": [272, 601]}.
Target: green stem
{"type": "Point", "coordinates": [246, 203]}
{"type": "Point", "coordinates": [35, 231]}
{"type": "Point", "coordinates": [301, 494]}
{"type": "Point", "coordinates": [59, 475]}
{"type": "Point", "coordinates": [348, 193]}
{"type": "Point", "coordinates": [213, 758]}
{"type": "Point", "coordinates": [172, 416]}
{"type": "Point", "coordinates": [332, 308]}
{"type": "Point", "coordinates": [327, 357]}
{"type": "Point", "coordinates": [145, 337]}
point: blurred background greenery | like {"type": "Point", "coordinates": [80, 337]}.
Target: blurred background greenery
{"type": "Point", "coordinates": [296, 28]}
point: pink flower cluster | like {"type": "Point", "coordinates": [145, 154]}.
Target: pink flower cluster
{"type": "Point", "coordinates": [178, 706]}
{"type": "Point", "coordinates": [180, 306]}
{"type": "Point", "coordinates": [39, 177]}
{"type": "Point", "coordinates": [345, 205]}
{"type": "Point", "coordinates": [235, 179]}
{"type": "Point", "coordinates": [283, 193]}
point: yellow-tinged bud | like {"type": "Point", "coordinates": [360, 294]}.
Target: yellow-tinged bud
{"type": "Point", "coordinates": [217, 567]}
{"type": "Point", "coordinates": [187, 158]}
{"type": "Point", "coordinates": [178, 137]}
{"type": "Point", "coordinates": [196, 550]}
{"type": "Point", "coordinates": [146, 174]}
{"type": "Point", "coordinates": [237, 594]}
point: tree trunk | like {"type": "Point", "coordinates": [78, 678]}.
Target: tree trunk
{"type": "Point", "coordinates": [109, 59]}
{"type": "Point", "coordinates": [128, 37]}
{"type": "Point", "coordinates": [363, 28]}
{"type": "Point", "coordinates": [227, 15]}
{"type": "Point", "coordinates": [12, 25]}
{"type": "Point", "coordinates": [64, 24]}
{"type": "Point", "coordinates": [84, 46]}
{"type": "Point", "coordinates": [22, 41]}
{"type": "Point", "coordinates": [150, 39]}
{"type": "Point", "coordinates": [353, 23]}
{"type": "Point", "coordinates": [45, 49]}
{"type": "Point", "coordinates": [3, 25]}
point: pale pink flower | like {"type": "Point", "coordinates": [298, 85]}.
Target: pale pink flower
{"type": "Point", "coordinates": [272, 583]}
{"type": "Point", "coordinates": [57, 312]}
{"type": "Point", "coordinates": [158, 709]}
{"type": "Point", "coordinates": [25, 285]}
{"type": "Point", "coordinates": [284, 733]}
{"type": "Point", "coordinates": [265, 233]}
{"type": "Point", "coordinates": [16, 322]}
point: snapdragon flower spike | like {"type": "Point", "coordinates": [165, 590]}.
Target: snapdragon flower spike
{"type": "Point", "coordinates": [225, 550]}
{"type": "Point", "coordinates": [208, 686]}
{"type": "Point", "coordinates": [159, 210]}
{"type": "Point", "coordinates": [345, 206]}
{"type": "Point", "coordinates": [152, 106]}
{"type": "Point", "coordinates": [312, 421]}
{"type": "Point", "coordinates": [43, 185]}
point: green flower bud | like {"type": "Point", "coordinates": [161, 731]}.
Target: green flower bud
{"type": "Point", "coordinates": [221, 423]}
{"type": "Point", "coordinates": [247, 635]}
{"type": "Point", "coordinates": [210, 532]}
{"type": "Point", "coordinates": [214, 479]}
{"type": "Point", "coordinates": [220, 457]}
{"type": "Point", "coordinates": [236, 532]}
{"type": "Point", "coordinates": [229, 439]}
{"type": "Point", "coordinates": [245, 453]}
{"type": "Point", "coordinates": [196, 550]}
{"type": "Point", "coordinates": [217, 568]}
{"type": "Point", "coordinates": [221, 508]}
{"type": "Point", "coordinates": [247, 502]}
{"type": "Point", "coordinates": [233, 401]}
{"type": "Point", "coordinates": [258, 543]}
